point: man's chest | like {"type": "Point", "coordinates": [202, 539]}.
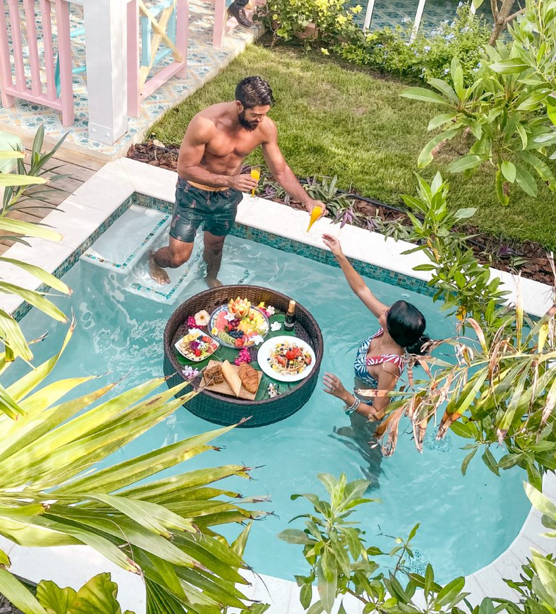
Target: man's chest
{"type": "Point", "coordinates": [224, 145]}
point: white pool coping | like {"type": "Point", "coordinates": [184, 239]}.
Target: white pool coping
{"type": "Point", "coordinates": [82, 213]}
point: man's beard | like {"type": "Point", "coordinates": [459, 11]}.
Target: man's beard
{"type": "Point", "coordinates": [246, 124]}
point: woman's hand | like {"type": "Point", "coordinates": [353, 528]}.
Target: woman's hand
{"type": "Point", "coordinates": [333, 386]}
{"type": "Point", "coordinates": [333, 244]}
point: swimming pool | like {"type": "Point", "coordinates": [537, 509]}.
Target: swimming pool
{"type": "Point", "coordinates": [465, 522]}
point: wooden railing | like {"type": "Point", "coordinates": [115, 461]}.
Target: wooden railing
{"type": "Point", "coordinates": [140, 86]}
{"type": "Point", "coordinates": [38, 92]}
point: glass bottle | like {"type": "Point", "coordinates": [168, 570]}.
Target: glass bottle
{"type": "Point", "coordinates": [289, 321]}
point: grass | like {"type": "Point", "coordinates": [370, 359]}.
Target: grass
{"type": "Point", "coordinates": [335, 121]}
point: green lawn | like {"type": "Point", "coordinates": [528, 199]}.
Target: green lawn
{"type": "Point", "coordinates": [334, 121]}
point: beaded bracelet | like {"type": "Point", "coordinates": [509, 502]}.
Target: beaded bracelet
{"type": "Point", "coordinates": [353, 407]}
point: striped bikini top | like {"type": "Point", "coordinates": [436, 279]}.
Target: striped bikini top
{"type": "Point", "coordinates": [362, 361]}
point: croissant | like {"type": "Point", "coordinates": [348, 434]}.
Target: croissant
{"type": "Point", "coordinates": [249, 377]}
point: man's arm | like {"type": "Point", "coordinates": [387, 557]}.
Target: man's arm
{"type": "Point", "coordinates": [199, 132]}
{"type": "Point", "coordinates": [283, 173]}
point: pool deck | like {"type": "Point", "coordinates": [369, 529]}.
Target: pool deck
{"type": "Point", "coordinates": [89, 206]}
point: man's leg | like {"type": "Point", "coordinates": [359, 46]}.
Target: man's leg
{"type": "Point", "coordinates": [213, 258]}
{"type": "Point", "coordinates": [171, 257]}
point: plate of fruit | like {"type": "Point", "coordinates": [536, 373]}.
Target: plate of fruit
{"type": "Point", "coordinates": [286, 359]}
{"type": "Point", "coordinates": [196, 345]}
{"type": "Point", "coordinates": [238, 324]}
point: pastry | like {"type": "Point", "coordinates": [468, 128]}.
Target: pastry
{"type": "Point", "coordinates": [249, 377]}
{"type": "Point", "coordinates": [213, 375]}
{"type": "Point", "coordinates": [231, 377]}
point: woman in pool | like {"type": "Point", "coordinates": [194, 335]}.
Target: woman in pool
{"type": "Point", "coordinates": [380, 358]}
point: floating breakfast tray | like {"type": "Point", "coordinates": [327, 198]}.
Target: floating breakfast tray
{"type": "Point", "coordinates": [224, 387]}
{"type": "Point", "coordinates": [120, 248]}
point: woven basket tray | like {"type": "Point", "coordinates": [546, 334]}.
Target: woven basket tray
{"type": "Point", "coordinates": [226, 410]}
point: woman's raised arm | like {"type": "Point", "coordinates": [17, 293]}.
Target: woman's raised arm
{"type": "Point", "coordinates": [353, 278]}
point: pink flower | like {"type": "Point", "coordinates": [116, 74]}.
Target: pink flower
{"type": "Point", "coordinates": [191, 322]}
{"type": "Point", "coordinates": [190, 373]}
{"type": "Point", "coordinates": [244, 356]}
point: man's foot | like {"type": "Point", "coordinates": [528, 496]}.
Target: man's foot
{"type": "Point", "coordinates": [157, 272]}
{"type": "Point", "coordinates": [239, 13]}
{"type": "Point", "coordinates": [212, 282]}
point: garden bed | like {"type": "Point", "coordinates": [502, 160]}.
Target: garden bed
{"type": "Point", "coordinates": [527, 257]}
{"type": "Point", "coordinates": [7, 608]}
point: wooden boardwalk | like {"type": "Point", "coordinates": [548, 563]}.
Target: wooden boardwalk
{"type": "Point", "coordinates": [77, 166]}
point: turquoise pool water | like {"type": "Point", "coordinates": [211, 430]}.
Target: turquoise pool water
{"type": "Point", "coordinates": [465, 521]}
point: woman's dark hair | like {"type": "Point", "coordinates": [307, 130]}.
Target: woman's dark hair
{"type": "Point", "coordinates": [406, 325]}
{"type": "Point", "coordinates": [254, 92]}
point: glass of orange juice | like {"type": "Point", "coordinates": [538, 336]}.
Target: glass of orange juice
{"type": "Point", "coordinates": [256, 174]}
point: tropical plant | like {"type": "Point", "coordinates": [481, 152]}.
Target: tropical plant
{"type": "Point", "coordinates": [99, 594]}
{"type": "Point", "coordinates": [537, 585]}
{"type": "Point", "coordinates": [466, 287]}
{"type": "Point", "coordinates": [501, 387]}
{"type": "Point", "coordinates": [15, 196]}
{"type": "Point", "coordinates": [509, 112]}
{"type": "Point", "coordinates": [162, 529]}
{"type": "Point", "coordinates": [342, 564]}
{"type": "Point", "coordinates": [503, 12]}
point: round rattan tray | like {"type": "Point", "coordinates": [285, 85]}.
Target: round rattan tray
{"type": "Point", "coordinates": [226, 410]}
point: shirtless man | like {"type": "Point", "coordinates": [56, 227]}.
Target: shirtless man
{"type": "Point", "coordinates": [210, 185]}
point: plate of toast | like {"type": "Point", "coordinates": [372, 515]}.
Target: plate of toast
{"type": "Point", "coordinates": [241, 382]}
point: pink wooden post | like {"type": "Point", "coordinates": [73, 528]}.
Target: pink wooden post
{"type": "Point", "coordinates": [36, 86]}
{"type": "Point", "coordinates": [64, 51]}
{"type": "Point", "coordinates": [220, 19]}
{"type": "Point", "coordinates": [46, 15]}
{"type": "Point", "coordinates": [21, 84]}
{"type": "Point", "coordinates": [6, 81]}
{"type": "Point", "coordinates": [133, 94]}
{"type": "Point", "coordinates": [181, 34]}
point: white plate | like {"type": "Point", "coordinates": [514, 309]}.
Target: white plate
{"type": "Point", "coordinates": [200, 333]}
{"type": "Point", "coordinates": [267, 347]}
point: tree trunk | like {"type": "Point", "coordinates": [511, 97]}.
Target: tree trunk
{"type": "Point", "coordinates": [501, 18]}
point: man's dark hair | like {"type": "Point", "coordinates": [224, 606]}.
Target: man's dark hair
{"type": "Point", "coordinates": [254, 92]}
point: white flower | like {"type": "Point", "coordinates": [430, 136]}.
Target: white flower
{"type": "Point", "coordinates": [257, 339]}
{"type": "Point", "coordinates": [202, 318]}
{"type": "Point", "coordinates": [272, 391]}
{"type": "Point", "coordinates": [230, 316]}
{"type": "Point", "coordinates": [270, 310]}
{"type": "Point", "coordinates": [275, 326]}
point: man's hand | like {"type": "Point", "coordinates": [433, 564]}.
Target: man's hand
{"type": "Point", "coordinates": [243, 183]}
{"type": "Point", "coordinates": [311, 204]}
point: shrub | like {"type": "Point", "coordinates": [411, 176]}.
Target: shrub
{"type": "Point", "coordinates": [429, 55]}
{"type": "Point", "coordinates": [316, 22]}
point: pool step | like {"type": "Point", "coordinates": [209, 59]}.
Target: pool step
{"type": "Point", "coordinates": [140, 282]}
{"type": "Point", "coordinates": [130, 237]}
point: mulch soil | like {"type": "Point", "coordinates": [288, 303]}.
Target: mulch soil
{"type": "Point", "coordinates": [7, 608]}
{"type": "Point", "coordinates": [490, 250]}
